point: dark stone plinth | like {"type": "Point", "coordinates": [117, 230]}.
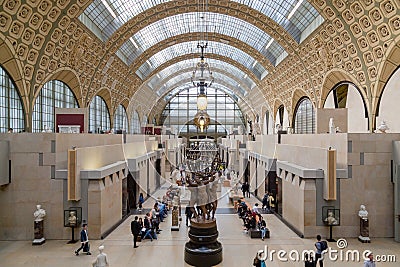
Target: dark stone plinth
{"type": "Point", "coordinates": [364, 231]}
{"type": "Point", "coordinates": [38, 232]}
{"type": "Point", "coordinates": [203, 249]}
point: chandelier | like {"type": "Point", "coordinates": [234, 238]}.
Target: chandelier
{"type": "Point", "coordinates": [202, 78]}
{"type": "Point", "coordinates": [201, 155]}
{"type": "Point", "coordinates": [201, 120]}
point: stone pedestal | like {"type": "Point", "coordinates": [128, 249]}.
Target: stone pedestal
{"type": "Point", "coordinates": [175, 219]}
{"type": "Point", "coordinates": [38, 232]}
{"type": "Point", "coordinates": [364, 231]}
{"type": "Point", "coordinates": [203, 249]}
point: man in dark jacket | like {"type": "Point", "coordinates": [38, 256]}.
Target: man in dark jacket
{"type": "Point", "coordinates": [135, 229]}
{"type": "Point", "coordinates": [84, 241]}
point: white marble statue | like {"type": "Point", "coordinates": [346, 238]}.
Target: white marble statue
{"type": "Point", "coordinates": [363, 213]}
{"type": "Point", "coordinates": [72, 218]}
{"type": "Point", "coordinates": [364, 225]}
{"type": "Point", "coordinates": [101, 259]}
{"type": "Point", "coordinates": [39, 213]}
{"type": "Point", "coordinates": [332, 128]}
{"type": "Point", "coordinates": [331, 220]}
{"type": "Point", "coordinates": [382, 128]}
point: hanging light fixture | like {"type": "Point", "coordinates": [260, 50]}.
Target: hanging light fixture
{"type": "Point", "coordinates": [202, 75]}
{"type": "Point", "coordinates": [202, 79]}
{"type": "Point", "coordinates": [202, 120]}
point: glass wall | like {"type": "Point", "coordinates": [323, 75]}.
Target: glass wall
{"type": "Point", "coordinates": [54, 94]}
{"type": "Point", "coordinates": [120, 119]}
{"type": "Point", "coordinates": [305, 117]}
{"type": "Point", "coordinates": [222, 109]}
{"type": "Point", "coordinates": [99, 117]}
{"type": "Point", "coordinates": [135, 123]}
{"type": "Point", "coordinates": [11, 110]}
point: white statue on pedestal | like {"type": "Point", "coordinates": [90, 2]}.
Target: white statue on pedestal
{"type": "Point", "coordinates": [332, 128]}
{"type": "Point", "coordinates": [364, 225]}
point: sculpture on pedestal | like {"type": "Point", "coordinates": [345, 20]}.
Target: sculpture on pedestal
{"type": "Point", "coordinates": [332, 128]}
{"type": "Point", "coordinates": [38, 215]}
{"type": "Point", "coordinates": [364, 225]}
{"type": "Point", "coordinates": [203, 249]}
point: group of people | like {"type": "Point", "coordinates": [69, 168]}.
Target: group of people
{"type": "Point", "coordinates": [268, 202]}
{"type": "Point", "coordinates": [149, 226]}
{"type": "Point", "coordinates": [252, 218]}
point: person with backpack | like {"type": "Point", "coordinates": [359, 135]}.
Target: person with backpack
{"type": "Point", "coordinates": [259, 260]}
{"type": "Point", "coordinates": [322, 247]}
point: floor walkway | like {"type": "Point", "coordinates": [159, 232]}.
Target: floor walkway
{"type": "Point", "coordinates": [168, 251]}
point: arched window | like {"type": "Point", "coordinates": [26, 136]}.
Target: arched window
{"type": "Point", "coordinates": [99, 117]}
{"type": "Point", "coordinates": [120, 119]}
{"type": "Point", "coordinates": [225, 114]}
{"type": "Point", "coordinates": [346, 95]}
{"type": "Point", "coordinates": [54, 94]}
{"type": "Point", "coordinates": [304, 122]}
{"type": "Point", "coordinates": [135, 123]}
{"type": "Point", "coordinates": [144, 121]}
{"type": "Point", "coordinates": [11, 110]}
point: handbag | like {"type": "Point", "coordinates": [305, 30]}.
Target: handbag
{"type": "Point", "coordinates": [86, 248]}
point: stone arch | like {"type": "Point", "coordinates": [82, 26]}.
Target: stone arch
{"type": "Point", "coordinates": [385, 71]}
{"type": "Point", "coordinates": [13, 67]}
{"type": "Point", "coordinates": [332, 79]}
{"type": "Point", "coordinates": [297, 95]}
{"type": "Point", "coordinates": [186, 70]}
{"type": "Point", "coordinates": [196, 36]}
{"type": "Point", "coordinates": [214, 56]}
{"type": "Point", "coordinates": [238, 10]}
{"type": "Point", "coordinates": [70, 78]}
{"type": "Point", "coordinates": [106, 95]}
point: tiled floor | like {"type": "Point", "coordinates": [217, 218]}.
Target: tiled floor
{"type": "Point", "coordinates": [168, 250]}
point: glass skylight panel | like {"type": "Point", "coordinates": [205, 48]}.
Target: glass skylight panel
{"type": "Point", "coordinates": [185, 77]}
{"type": "Point", "coordinates": [191, 63]}
{"type": "Point", "coordinates": [191, 47]}
{"type": "Point", "coordinates": [216, 89]}
{"type": "Point", "coordinates": [216, 67]}
{"type": "Point", "coordinates": [190, 23]}
{"type": "Point", "coordinates": [279, 11]}
{"type": "Point", "coordinates": [102, 13]}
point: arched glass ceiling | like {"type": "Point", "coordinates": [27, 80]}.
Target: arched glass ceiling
{"type": "Point", "coordinates": [218, 78]}
{"type": "Point", "coordinates": [190, 23]}
{"type": "Point", "coordinates": [190, 85]}
{"type": "Point", "coordinates": [104, 17]}
{"type": "Point", "coordinates": [191, 63]}
{"type": "Point", "coordinates": [191, 47]}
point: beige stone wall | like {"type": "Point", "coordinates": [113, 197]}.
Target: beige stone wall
{"type": "Point", "coordinates": [33, 155]}
{"type": "Point", "coordinates": [370, 185]}
{"type": "Point", "coordinates": [323, 116]}
{"type": "Point", "coordinates": [31, 184]}
{"type": "Point", "coordinates": [293, 201]}
{"type": "Point", "coordinates": [104, 204]}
